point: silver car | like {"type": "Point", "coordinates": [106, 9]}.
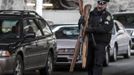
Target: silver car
{"type": "Point", "coordinates": [120, 42]}
{"type": "Point", "coordinates": [66, 35]}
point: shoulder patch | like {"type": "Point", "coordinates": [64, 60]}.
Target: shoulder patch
{"type": "Point", "coordinates": [108, 18]}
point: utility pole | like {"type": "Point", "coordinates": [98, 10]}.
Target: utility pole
{"type": "Point", "coordinates": [39, 6]}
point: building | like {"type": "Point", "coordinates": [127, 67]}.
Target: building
{"type": "Point", "coordinates": [12, 5]}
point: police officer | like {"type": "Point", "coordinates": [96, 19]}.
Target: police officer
{"type": "Point", "coordinates": [99, 32]}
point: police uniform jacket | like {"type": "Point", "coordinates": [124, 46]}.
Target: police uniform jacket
{"type": "Point", "coordinates": [100, 25]}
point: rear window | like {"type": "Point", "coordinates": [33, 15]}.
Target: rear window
{"type": "Point", "coordinates": [6, 25]}
{"type": "Point", "coordinates": [67, 33]}
{"type": "Point", "coordinates": [9, 28]}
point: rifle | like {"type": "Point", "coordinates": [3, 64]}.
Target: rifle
{"type": "Point", "coordinates": [87, 8]}
{"type": "Point", "coordinates": [81, 7]}
{"type": "Point", "coordinates": [77, 46]}
{"type": "Point", "coordinates": [84, 13]}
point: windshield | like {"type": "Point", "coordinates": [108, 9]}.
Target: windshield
{"type": "Point", "coordinates": [67, 33]}
{"type": "Point", "coordinates": [9, 28]}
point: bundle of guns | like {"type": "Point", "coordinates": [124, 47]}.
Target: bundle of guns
{"type": "Point", "coordinates": [82, 44]}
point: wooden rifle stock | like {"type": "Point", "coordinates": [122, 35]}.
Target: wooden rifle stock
{"type": "Point", "coordinates": [84, 13]}
{"type": "Point", "coordinates": [76, 53]}
{"type": "Point", "coordinates": [87, 9]}
{"type": "Point", "coordinates": [77, 46]}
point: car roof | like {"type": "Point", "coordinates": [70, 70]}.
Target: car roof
{"type": "Point", "coordinates": [18, 13]}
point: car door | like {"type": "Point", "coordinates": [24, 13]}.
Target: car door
{"type": "Point", "coordinates": [33, 51]}
{"type": "Point", "coordinates": [121, 38]}
{"type": "Point", "coordinates": [126, 38]}
{"type": "Point", "coordinates": [47, 41]}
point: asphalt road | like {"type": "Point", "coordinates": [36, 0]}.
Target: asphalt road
{"type": "Point", "coordinates": [120, 67]}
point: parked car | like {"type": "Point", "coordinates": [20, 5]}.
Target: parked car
{"type": "Point", "coordinates": [67, 35]}
{"type": "Point", "coordinates": [120, 42]}
{"type": "Point", "coordinates": [131, 33]}
{"type": "Point", "coordinates": [26, 43]}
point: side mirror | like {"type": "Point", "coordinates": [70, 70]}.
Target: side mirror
{"type": "Point", "coordinates": [30, 35]}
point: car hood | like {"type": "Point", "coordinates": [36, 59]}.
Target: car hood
{"type": "Point", "coordinates": [66, 43]}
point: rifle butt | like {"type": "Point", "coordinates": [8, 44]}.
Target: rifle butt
{"type": "Point", "coordinates": [76, 53]}
{"type": "Point", "coordinates": [84, 52]}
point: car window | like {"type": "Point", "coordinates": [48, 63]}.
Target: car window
{"type": "Point", "coordinates": [30, 26]}
{"type": "Point", "coordinates": [9, 28]}
{"type": "Point", "coordinates": [117, 28]}
{"type": "Point", "coordinates": [67, 33]}
{"type": "Point", "coordinates": [46, 29]}
{"type": "Point", "coordinates": [7, 25]}
{"type": "Point", "coordinates": [120, 25]}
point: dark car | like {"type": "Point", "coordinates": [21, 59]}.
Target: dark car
{"type": "Point", "coordinates": [26, 43]}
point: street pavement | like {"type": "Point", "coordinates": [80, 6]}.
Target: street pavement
{"type": "Point", "coordinates": [120, 67]}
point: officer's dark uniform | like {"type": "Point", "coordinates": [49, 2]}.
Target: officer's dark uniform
{"type": "Point", "coordinates": [100, 27]}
